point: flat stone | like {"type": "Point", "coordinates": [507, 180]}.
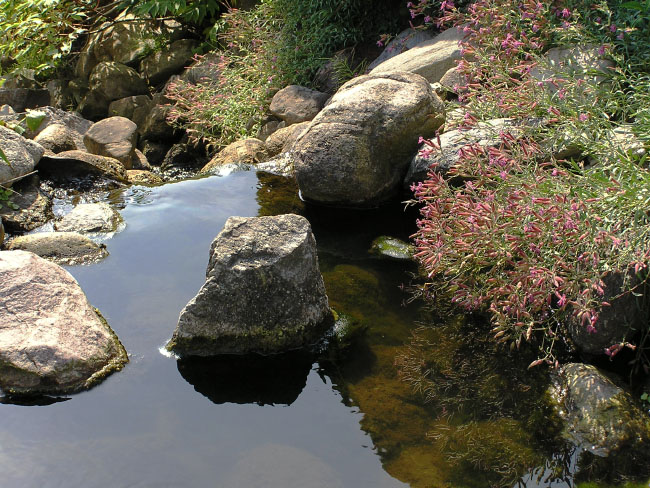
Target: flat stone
{"type": "Point", "coordinates": [143, 177]}
{"type": "Point", "coordinates": [72, 164]}
{"type": "Point", "coordinates": [90, 218]}
{"type": "Point", "coordinates": [51, 340]}
{"type": "Point", "coordinates": [404, 41]}
{"type": "Point", "coordinates": [67, 248]}
{"type": "Point", "coordinates": [430, 59]}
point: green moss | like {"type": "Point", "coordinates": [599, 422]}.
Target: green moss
{"type": "Point", "coordinates": [260, 340]}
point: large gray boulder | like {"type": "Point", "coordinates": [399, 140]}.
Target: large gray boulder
{"type": "Point", "coordinates": [430, 59]}
{"type": "Point", "coordinates": [357, 149]}
{"type": "Point", "coordinates": [294, 104]}
{"type": "Point", "coordinates": [90, 218]}
{"type": "Point", "coordinates": [601, 416]}
{"type": "Point", "coordinates": [114, 137]}
{"type": "Point", "coordinates": [264, 292]}
{"type": "Point", "coordinates": [22, 155]}
{"type": "Point", "coordinates": [51, 340]}
{"type": "Point", "coordinates": [60, 247]}
{"type": "Point", "coordinates": [160, 65]}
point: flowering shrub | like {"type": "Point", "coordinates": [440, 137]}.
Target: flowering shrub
{"type": "Point", "coordinates": [280, 42]}
{"type": "Point", "coordinates": [514, 229]}
{"type": "Point", "coordinates": [219, 112]}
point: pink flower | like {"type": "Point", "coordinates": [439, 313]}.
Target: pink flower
{"type": "Point", "coordinates": [583, 117]}
{"type": "Point", "coordinates": [612, 28]}
{"type": "Point", "coordinates": [379, 43]}
{"type": "Point", "coordinates": [566, 13]}
{"type": "Point", "coordinates": [601, 50]}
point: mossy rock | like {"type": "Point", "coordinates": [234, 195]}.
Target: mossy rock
{"type": "Point", "coordinates": [387, 247]}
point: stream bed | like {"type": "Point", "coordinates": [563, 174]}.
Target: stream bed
{"type": "Point", "coordinates": [336, 418]}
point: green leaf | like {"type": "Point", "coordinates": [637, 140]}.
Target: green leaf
{"type": "Point", "coordinates": [34, 118]}
{"type": "Point", "coordinates": [4, 157]}
{"type": "Point", "coordinates": [632, 5]}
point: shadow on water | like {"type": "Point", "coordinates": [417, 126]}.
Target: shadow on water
{"type": "Point", "coordinates": [263, 380]}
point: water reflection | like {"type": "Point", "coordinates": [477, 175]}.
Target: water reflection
{"type": "Point", "coordinates": [263, 380]}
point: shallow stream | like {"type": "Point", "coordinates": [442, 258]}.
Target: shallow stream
{"type": "Point", "coordinates": [338, 418]}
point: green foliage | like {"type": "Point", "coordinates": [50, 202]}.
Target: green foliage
{"type": "Point", "coordinates": [5, 195]}
{"type": "Point", "coordinates": [191, 11]}
{"type": "Point", "coordinates": [38, 34]}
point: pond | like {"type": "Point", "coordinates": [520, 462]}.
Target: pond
{"type": "Point", "coordinates": [337, 417]}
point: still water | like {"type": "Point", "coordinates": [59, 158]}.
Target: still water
{"type": "Point", "coordinates": [338, 418]}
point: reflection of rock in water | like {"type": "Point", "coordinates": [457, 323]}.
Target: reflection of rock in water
{"type": "Point", "coordinates": [278, 195]}
{"type": "Point", "coordinates": [32, 401]}
{"type": "Point", "coordinates": [275, 465]}
{"type": "Point", "coordinates": [265, 380]}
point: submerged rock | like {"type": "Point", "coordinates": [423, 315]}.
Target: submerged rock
{"type": "Point", "coordinates": [392, 248]}
{"type": "Point", "coordinates": [51, 340]}
{"type": "Point", "coordinates": [143, 177]}
{"type": "Point", "coordinates": [60, 247]}
{"type": "Point", "coordinates": [90, 217]}
{"type": "Point", "coordinates": [601, 417]}
{"type": "Point", "coordinates": [356, 151]}
{"type": "Point", "coordinates": [264, 292]}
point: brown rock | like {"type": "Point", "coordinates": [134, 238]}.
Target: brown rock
{"type": "Point", "coordinates": [114, 137]}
